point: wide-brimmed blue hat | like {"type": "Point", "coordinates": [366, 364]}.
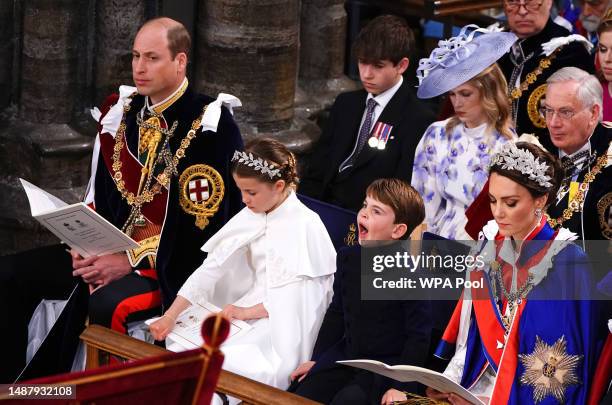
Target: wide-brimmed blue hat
{"type": "Point", "coordinates": [461, 58]}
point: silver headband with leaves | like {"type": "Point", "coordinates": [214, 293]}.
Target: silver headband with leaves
{"type": "Point", "coordinates": [256, 163]}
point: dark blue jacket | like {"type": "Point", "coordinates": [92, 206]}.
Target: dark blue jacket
{"type": "Point", "coordinates": [394, 332]}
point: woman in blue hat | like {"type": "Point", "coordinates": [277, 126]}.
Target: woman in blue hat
{"type": "Point", "coordinates": [453, 155]}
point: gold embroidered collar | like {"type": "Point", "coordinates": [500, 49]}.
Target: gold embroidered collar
{"type": "Point", "coordinates": [168, 101]}
{"type": "Point", "coordinates": [148, 188]}
{"type": "Point", "coordinates": [531, 77]}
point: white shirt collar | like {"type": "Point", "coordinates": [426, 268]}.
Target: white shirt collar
{"type": "Point", "coordinates": [383, 98]}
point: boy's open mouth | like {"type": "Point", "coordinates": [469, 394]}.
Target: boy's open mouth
{"type": "Point", "coordinates": [363, 231]}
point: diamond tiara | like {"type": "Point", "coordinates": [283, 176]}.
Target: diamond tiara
{"type": "Point", "coordinates": [512, 158]}
{"type": "Point", "coordinates": [256, 163]}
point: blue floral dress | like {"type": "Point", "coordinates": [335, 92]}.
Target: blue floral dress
{"type": "Point", "coordinates": [450, 170]}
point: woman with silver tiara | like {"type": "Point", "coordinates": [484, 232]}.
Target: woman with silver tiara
{"type": "Point", "coordinates": [451, 159]}
{"type": "Point", "coordinates": [529, 335]}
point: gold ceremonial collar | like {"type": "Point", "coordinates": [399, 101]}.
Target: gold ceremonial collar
{"type": "Point", "coordinates": [163, 105]}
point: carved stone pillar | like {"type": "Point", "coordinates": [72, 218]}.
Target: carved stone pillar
{"type": "Point", "coordinates": [40, 144]}
{"type": "Point", "coordinates": [49, 60]}
{"type": "Point", "coordinates": [117, 22]}
{"type": "Point", "coordinates": [6, 52]}
{"type": "Point", "coordinates": [322, 50]}
{"type": "Point", "coordinates": [323, 37]}
{"type": "Point", "coordinates": [250, 49]}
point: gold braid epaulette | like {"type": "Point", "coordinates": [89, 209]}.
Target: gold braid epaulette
{"type": "Point", "coordinates": [576, 203]}
{"type": "Point", "coordinates": [163, 179]}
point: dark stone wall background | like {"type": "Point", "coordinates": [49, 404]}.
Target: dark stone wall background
{"type": "Point", "coordinates": [6, 52]}
{"type": "Point", "coordinates": [58, 58]}
{"type": "Point", "coordinates": [113, 36]}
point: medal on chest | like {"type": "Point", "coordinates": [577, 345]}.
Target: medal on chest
{"type": "Point", "coordinates": [380, 135]}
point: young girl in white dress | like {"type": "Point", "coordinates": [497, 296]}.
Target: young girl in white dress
{"type": "Point", "coordinates": [271, 265]}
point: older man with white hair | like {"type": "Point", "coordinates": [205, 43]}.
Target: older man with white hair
{"type": "Point", "coordinates": [573, 113]}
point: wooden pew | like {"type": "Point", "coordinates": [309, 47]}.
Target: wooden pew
{"type": "Point", "coordinates": [102, 342]}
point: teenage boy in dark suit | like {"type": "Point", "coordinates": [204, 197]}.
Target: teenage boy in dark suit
{"type": "Point", "coordinates": [371, 133]}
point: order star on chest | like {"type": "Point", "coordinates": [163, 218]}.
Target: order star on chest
{"type": "Point", "coordinates": [550, 370]}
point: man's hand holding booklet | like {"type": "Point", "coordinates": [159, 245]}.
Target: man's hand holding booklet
{"type": "Point", "coordinates": [77, 225]}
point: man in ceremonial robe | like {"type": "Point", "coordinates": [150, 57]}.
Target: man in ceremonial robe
{"type": "Point", "coordinates": [161, 174]}
{"type": "Point", "coordinates": [584, 199]}
{"type": "Point", "coordinates": [543, 48]}
{"type": "Point", "coordinates": [573, 111]}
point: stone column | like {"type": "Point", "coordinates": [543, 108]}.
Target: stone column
{"type": "Point", "coordinates": [323, 38]}
{"type": "Point", "coordinates": [40, 144]}
{"type": "Point", "coordinates": [250, 49]}
{"type": "Point", "coordinates": [117, 22]}
{"type": "Point", "coordinates": [49, 60]}
{"type": "Point", "coordinates": [322, 50]}
{"type": "Point", "coordinates": [6, 52]}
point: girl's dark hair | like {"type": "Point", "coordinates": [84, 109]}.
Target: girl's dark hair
{"type": "Point", "coordinates": [554, 171]}
{"type": "Point", "coordinates": [274, 152]}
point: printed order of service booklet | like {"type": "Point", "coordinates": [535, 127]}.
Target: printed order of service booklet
{"type": "Point", "coordinates": [77, 225]}
{"type": "Point", "coordinates": [187, 329]}
{"type": "Point", "coordinates": [427, 377]}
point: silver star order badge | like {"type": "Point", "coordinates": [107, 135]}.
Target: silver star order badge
{"type": "Point", "coordinates": [550, 370]}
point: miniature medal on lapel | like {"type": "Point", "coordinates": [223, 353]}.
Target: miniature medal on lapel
{"type": "Point", "coordinates": [380, 135]}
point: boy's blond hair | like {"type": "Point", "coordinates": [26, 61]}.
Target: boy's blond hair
{"type": "Point", "coordinates": [406, 203]}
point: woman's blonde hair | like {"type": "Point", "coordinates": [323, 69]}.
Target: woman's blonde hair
{"type": "Point", "coordinates": [494, 98]}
